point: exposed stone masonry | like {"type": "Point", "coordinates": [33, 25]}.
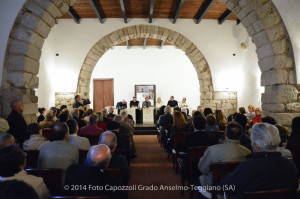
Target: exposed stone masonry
{"type": "Point", "coordinates": [64, 98]}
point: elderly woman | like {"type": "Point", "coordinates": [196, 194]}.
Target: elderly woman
{"type": "Point", "coordinates": [257, 118]}
{"type": "Point", "coordinates": [251, 114]}
{"type": "Point", "coordinates": [159, 103]}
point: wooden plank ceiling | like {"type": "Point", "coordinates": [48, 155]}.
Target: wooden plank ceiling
{"type": "Point", "coordinates": [141, 8]}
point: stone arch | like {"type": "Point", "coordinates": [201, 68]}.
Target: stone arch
{"type": "Point", "coordinates": [153, 32]}
{"type": "Point", "coordinates": [259, 17]}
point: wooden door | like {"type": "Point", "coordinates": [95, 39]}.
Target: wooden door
{"type": "Point", "coordinates": [103, 93]}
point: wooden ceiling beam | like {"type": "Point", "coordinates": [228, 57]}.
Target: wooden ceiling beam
{"type": "Point", "coordinates": [95, 5]}
{"type": "Point", "coordinates": [74, 15]}
{"type": "Point", "coordinates": [145, 43]}
{"type": "Point", "coordinates": [151, 10]}
{"type": "Point", "coordinates": [178, 9]}
{"type": "Point", "coordinates": [224, 16]}
{"type": "Point", "coordinates": [203, 10]}
{"type": "Point", "coordinates": [123, 10]}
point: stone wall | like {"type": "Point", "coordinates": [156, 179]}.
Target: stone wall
{"type": "Point", "coordinates": [64, 98]}
{"type": "Point", "coordinates": [225, 100]}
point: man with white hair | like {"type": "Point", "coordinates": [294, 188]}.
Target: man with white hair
{"type": "Point", "coordinates": [124, 114]}
{"type": "Point", "coordinates": [201, 110]}
{"type": "Point", "coordinates": [48, 122]}
{"type": "Point", "coordinates": [16, 121]}
{"type": "Point", "coordinates": [91, 175]}
{"type": "Point", "coordinates": [266, 169]}
{"type": "Point", "coordinates": [117, 161]}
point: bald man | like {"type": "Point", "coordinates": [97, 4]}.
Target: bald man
{"type": "Point", "coordinates": [117, 161]}
{"type": "Point", "coordinates": [16, 121]}
{"type": "Point", "coordinates": [91, 175]}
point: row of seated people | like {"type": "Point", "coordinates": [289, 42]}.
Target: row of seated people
{"type": "Point", "coordinates": [60, 155]}
{"type": "Point", "coordinates": [264, 138]}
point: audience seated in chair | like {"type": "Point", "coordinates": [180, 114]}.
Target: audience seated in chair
{"type": "Point", "coordinates": [4, 127]}
{"type": "Point", "coordinates": [295, 134]}
{"type": "Point", "coordinates": [58, 153]}
{"type": "Point", "coordinates": [125, 115]}
{"type": "Point", "coordinates": [16, 121]}
{"type": "Point", "coordinates": [35, 138]}
{"type": "Point", "coordinates": [65, 116]}
{"type": "Point", "coordinates": [88, 113]}
{"type": "Point", "coordinates": [49, 121]}
{"type": "Point", "coordinates": [207, 111]}
{"type": "Point", "coordinates": [211, 124]}
{"type": "Point", "coordinates": [15, 189]}
{"type": "Point", "coordinates": [111, 114]}
{"type": "Point", "coordinates": [75, 115]}
{"type": "Point", "coordinates": [269, 120]}
{"type": "Point", "coordinates": [243, 121]}
{"type": "Point", "coordinates": [179, 123]}
{"type": "Point", "coordinates": [284, 134]}
{"type": "Point", "coordinates": [75, 140]}
{"type": "Point", "coordinates": [266, 169]}
{"type": "Point", "coordinates": [117, 161]}
{"type": "Point", "coordinates": [12, 164]}
{"type": "Point", "coordinates": [91, 129]}
{"type": "Point", "coordinates": [91, 174]}
{"type": "Point", "coordinates": [230, 150]}
{"type": "Point", "coordinates": [41, 117]}
{"type": "Point", "coordinates": [6, 139]}
{"type": "Point", "coordinates": [220, 118]}
{"type": "Point", "coordinates": [101, 123]}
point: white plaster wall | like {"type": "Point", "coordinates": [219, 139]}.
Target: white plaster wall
{"type": "Point", "coordinates": [289, 11]}
{"type": "Point", "coordinates": [168, 68]}
{"type": "Point", "coordinates": [8, 12]}
{"type": "Point", "coordinates": [218, 43]}
{"type": "Point", "coordinates": [47, 74]}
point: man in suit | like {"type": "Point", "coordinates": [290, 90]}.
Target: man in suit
{"type": "Point", "coordinates": [172, 102]}
{"type": "Point", "coordinates": [230, 150]}
{"type": "Point", "coordinates": [111, 114]}
{"type": "Point", "coordinates": [117, 161]}
{"type": "Point", "coordinates": [91, 175]}
{"type": "Point", "coordinates": [134, 102]}
{"type": "Point", "coordinates": [121, 105]}
{"type": "Point", "coordinates": [146, 103]}
{"type": "Point", "coordinates": [198, 138]}
{"type": "Point", "coordinates": [16, 121]}
{"type": "Point", "coordinates": [266, 169]}
{"type": "Point", "coordinates": [58, 153]}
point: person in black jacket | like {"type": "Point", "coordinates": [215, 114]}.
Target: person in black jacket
{"type": "Point", "coordinates": [41, 116]}
{"type": "Point", "coordinates": [243, 121]}
{"type": "Point", "coordinates": [91, 175]}
{"type": "Point", "coordinates": [266, 169]}
{"type": "Point", "coordinates": [16, 121]}
{"type": "Point", "coordinates": [172, 102]}
{"type": "Point", "coordinates": [77, 103]}
{"type": "Point", "coordinates": [134, 102]}
{"type": "Point", "coordinates": [117, 161]}
{"type": "Point", "coordinates": [295, 135]}
{"type": "Point", "coordinates": [121, 105]}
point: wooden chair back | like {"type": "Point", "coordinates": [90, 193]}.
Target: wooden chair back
{"type": "Point", "coordinates": [295, 150]}
{"type": "Point", "coordinates": [178, 141]}
{"type": "Point", "coordinates": [80, 197]}
{"type": "Point", "coordinates": [32, 158]}
{"type": "Point", "coordinates": [47, 133]}
{"type": "Point", "coordinates": [53, 178]}
{"type": "Point", "coordinates": [194, 155]}
{"type": "Point", "coordinates": [218, 135]}
{"type": "Point", "coordinates": [82, 155]}
{"type": "Point", "coordinates": [112, 172]}
{"type": "Point", "coordinates": [219, 171]}
{"type": "Point", "coordinates": [272, 194]}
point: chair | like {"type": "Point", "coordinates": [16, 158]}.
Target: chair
{"type": "Point", "coordinates": [178, 144]}
{"type": "Point", "coordinates": [47, 133]}
{"type": "Point", "coordinates": [53, 178]}
{"type": "Point", "coordinates": [32, 158]}
{"type": "Point", "coordinates": [218, 135]}
{"type": "Point", "coordinates": [194, 155]}
{"type": "Point", "coordinates": [272, 194]}
{"type": "Point", "coordinates": [94, 140]}
{"type": "Point", "coordinates": [295, 149]}
{"type": "Point", "coordinates": [80, 197]}
{"type": "Point", "coordinates": [82, 155]}
{"type": "Point", "coordinates": [220, 170]}
{"type": "Point", "coordinates": [222, 128]}
{"type": "Point", "coordinates": [112, 172]}
{"type": "Point", "coordinates": [163, 137]}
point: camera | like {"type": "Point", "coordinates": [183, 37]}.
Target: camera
{"type": "Point", "coordinates": [86, 102]}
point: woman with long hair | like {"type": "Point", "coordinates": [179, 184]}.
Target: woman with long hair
{"type": "Point", "coordinates": [179, 123]}
{"type": "Point", "coordinates": [220, 118]}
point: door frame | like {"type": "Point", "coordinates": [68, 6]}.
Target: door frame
{"type": "Point", "coordinates": [113, 89]}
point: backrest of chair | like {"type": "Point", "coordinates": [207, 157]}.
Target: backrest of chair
{"type": "Point", "coordinates": [272, 194]}
{"type": "Point", "coordinates": [80, 197]}
{"type": "Point", "coordinates": [178, 140]}
{"type": "Point", "coordinates": [53, 178]}
{"type": "Point", "coordinates": [47, 133]}
{"type": "Point", "coordinates": [218, 135]}
{"type": "Point", "coordinates": [112, 172]}
{"type": "Point", "coordinates": [32, 158]}
{"type": "Point", "coordinates": [221, 169]}
{"type": "Point", "coordinates": [82, 155]}
{"type": "Point", "coordinates": [166, 126]}
{"type": "Point", "coordinates": [194, 155]}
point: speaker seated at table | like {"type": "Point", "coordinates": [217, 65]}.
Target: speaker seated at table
{"type": "Point", "coordinates": [146, 103]}
{"type": "Point", "coordinates": [134, 102]}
